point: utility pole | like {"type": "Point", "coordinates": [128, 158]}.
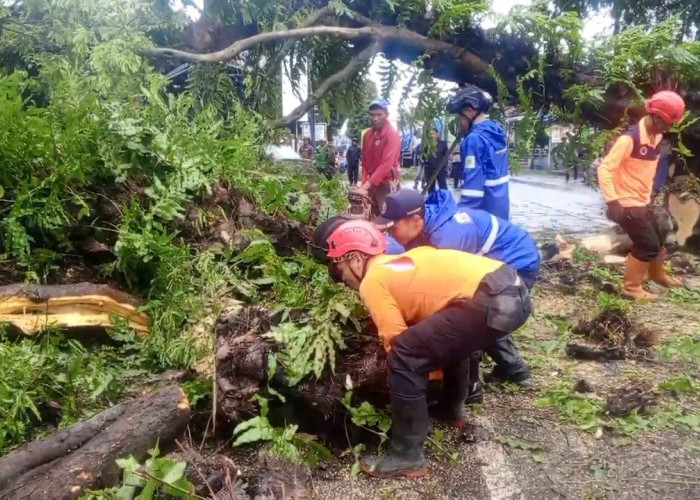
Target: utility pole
{"type": "Point", "coordinates": [312, 111]}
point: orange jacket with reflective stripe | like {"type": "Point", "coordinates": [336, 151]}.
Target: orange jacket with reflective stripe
{"type": "Point", "coordinates": [402, 290]}
{"type": "Point", "coordinates": [627, 171]}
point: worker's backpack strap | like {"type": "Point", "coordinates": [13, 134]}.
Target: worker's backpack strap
{"type": "Point", "coordinates": [642, 151]}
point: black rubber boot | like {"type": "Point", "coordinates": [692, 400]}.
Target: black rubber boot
{"type": "Point", "coordinates": [450, 406]}
{"type": "Point", "coordinates": [476, 393]}
{"type": "Point", "coordinates": [409, 428]}
{"type": "Point", "coordinates": [510, 367]}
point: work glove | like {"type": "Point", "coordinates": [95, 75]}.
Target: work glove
{"type": "Point", "coordinates": [615, 211]}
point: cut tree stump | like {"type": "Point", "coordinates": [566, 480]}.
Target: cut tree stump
{"type": "Point", "coordinates": [33, 308]}
{"type": "Point", "coordinates": [686, 212]}
{"type": "Point", "coordinates": [608, 244]}
{"type": "Point", "coordinates": [82, 457]}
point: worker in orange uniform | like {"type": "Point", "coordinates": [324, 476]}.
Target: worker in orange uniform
{"type": "Point", "coordinates": [433, 309]}
{"type": "Point", "coordinates": [381, 151]}
{"type": "Point", "coordinates": [626, 177]}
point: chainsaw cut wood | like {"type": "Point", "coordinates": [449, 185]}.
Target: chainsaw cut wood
{"type": "Point", "coordinates": [33, 308]}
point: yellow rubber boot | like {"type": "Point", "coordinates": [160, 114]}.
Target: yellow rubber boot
{"type": "Point", "coordinates": [635, 272]}
{"type": "Point", "coordinates": [657, 273]}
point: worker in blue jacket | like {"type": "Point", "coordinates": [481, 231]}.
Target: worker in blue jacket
{"type": "Point", "coordinates": [484, 153]}
{"type": "Point", "coordinates": [439, 222]}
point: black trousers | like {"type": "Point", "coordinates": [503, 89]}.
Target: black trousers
{"type": "Point", "coordinates": [441, 178]}
{"type": "Point", "coordinates": [453, 334]}
{"type": "Point", "coordinates": [353, 173]}
{"type": "Point", "coordinates": [640, 225]}
{"type": "Point", "coordinates": [442, 341]}
{"type": "Point", "coordinates": [457, 172]}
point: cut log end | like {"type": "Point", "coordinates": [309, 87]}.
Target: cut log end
{"type": "Point", "coordinates": [83, 457]}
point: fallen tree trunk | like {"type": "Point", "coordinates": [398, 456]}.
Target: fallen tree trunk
{"type": "Point", "coordinates": [82, 457]}
{"type": "Point", "coordinates": [32, 308]}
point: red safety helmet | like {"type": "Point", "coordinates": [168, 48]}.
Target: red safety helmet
{"type": "Point", "coordinates": [356, 236]}
{"type": "Point", "coordinates": [668, 105]}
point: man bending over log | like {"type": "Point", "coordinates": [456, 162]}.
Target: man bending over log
{"type": "Point", "coordinates": [626, 177]}
{"type": "Point", "coordinates": [436, 221]}
{"type": "Point", "coordinates": [433, 309]}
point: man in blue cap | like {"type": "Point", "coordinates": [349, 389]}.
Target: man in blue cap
{"type": "Point", "coordinates": [438, 222]}
{"type": "Point", "coordinates": [381, 153]}
{"type": "Point", "coordinates": [484, 153]}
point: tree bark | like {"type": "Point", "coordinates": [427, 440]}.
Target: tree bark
{"type": "Point", "coordinates": [82, 457]}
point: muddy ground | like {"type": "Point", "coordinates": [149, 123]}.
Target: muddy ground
{"type": "Point", "coordinates": [550, 441]}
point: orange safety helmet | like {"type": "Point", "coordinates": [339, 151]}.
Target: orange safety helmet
{"type": "Point", "coordinates": [668, 105]}
{"type": "Point", "coordinates": [356, 236]}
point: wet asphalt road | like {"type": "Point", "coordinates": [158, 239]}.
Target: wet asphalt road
{"type": "Point", "coordinates": [546, 205]}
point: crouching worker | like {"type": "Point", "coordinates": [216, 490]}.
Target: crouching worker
{"type": "Point", "coordinates": [433, 309]}
{"type": "Point", "coordinates": [440, 223]}
{"type": "Point", "coordinates": [626, 177]}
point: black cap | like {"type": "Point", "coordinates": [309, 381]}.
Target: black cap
{"type": "Point", "coordinates": [400, 205]}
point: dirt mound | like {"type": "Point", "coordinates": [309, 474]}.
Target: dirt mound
{"type": "Point", "coordinates": [616, 337]}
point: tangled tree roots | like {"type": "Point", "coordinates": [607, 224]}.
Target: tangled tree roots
{"type": "Point", "coordinates": [217, 476]}
{"type": "Point", "coordinates": [566, 276]}
{"type": "Point", "coordinates": [637, 397]}
{"type": "Point", "coordinates": [241, 359]}
{"type": "Point", "coordinates": [242, 370]}
{"type": "Point", "coordinates": [616, 337]}
{"type": "Point", "coordinates": [218, 219]}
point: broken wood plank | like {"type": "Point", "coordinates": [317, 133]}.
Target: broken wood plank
{"type": "Point", "coordinates": [33, 308]}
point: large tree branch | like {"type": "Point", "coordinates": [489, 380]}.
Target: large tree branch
{"type": "Point", "coordinates": [350, 70]}
{"type": "Point", "coordinates": [376, 31]}
{"type": "Point", "coordinates": [312, 20]}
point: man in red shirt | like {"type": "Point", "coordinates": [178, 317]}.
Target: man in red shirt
{"type": "Point", "coordinates": [381, 151]}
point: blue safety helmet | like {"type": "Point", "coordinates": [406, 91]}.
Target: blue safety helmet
{"type": "Point", "coordinates": [469, 97]}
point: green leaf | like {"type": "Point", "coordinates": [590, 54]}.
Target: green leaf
{"type": "Point", "coordinates": [173, 471]}
{"type": "Point", "coordinates": [149, 490]}
{"type": "Point", "coordinates": [519, 443]}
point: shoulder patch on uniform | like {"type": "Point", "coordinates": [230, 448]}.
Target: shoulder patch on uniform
{"type": "Point", "coordinates": [462, 218]}
{"type": "Point", "coordinates": [470, 162]}
{"type": "Point", "coordinates": [402, 263]}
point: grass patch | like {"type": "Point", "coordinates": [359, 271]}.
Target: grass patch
{"type": "Point", "coordinates": [685, 348]}
{"type": "Point", "coordinates": [682, 295]}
